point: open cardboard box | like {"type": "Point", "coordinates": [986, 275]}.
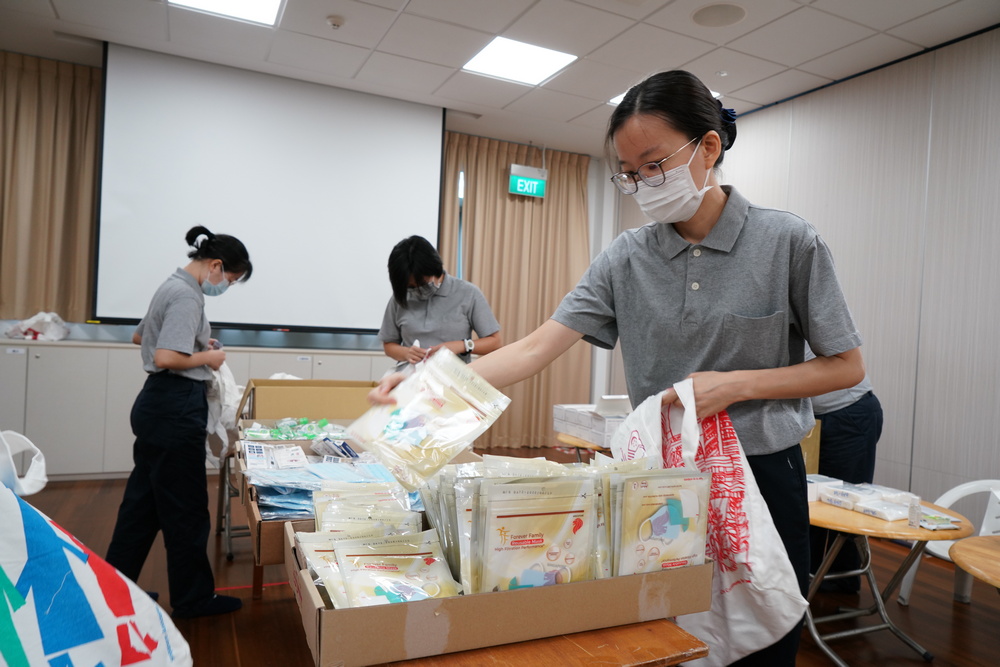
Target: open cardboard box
{"type": "Point", "coordinates": [347, 637]}
{"type": "Point", "coordinates": [810, 449]}
{"type": "Point", "coordinates": [336, 400]}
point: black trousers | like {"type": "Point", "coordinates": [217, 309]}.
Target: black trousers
{"type": "Point", "coordinates": [782, 480]}
{"type": "Point", "coordinates": [167, 489]}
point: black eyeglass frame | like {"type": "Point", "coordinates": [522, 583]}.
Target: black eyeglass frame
{"type": "Point", "coordinates": [626, 181]}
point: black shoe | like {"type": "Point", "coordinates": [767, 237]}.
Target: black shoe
{"type": "Point", "coordinates": [850, 585]}
{"type": "Point", "coordinates": [217, 604]}
{"type": "Point", "coordinates": [154, 595]}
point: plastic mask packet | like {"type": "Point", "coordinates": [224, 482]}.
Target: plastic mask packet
{"type": "Point", "coordinates": [440, 409]}
{"type": "Point", "coordinates": [404, 568]}
{"type": "Point", "coordinates": [664, 520]}
{"type": "Point", "coordinates": [336, 517]}
{"type": "Point", "coordinates": [322, 561]}
{"type": "Point", "coordinates": [512, 466]}
{"type": "Point", "coordinates": [535, 533]}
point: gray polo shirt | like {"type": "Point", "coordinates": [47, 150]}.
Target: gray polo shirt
{"type": "Point", "coordinates": [454, 311]}
{"type": "Point", "coordinates": [748, 297]}
{"type": "Point", "coordinates": [176, 321]}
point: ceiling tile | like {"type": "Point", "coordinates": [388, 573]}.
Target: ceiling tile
{"type": "Point", "coordinates": [803, 35]}
{"type": "Point", "coordinates": [364, 24]}
{"type": "Point", "coordinates": [593, 80]}
{"type": "Point", "coordinates": [394, 5]}
{"type": "Point", "coordinates": [316, 55]}
{"type": "Point", "coordinates": [550, 104]}
{"type": "Point", "coordinates": [32, 35]}
{"type": "Point", "coordinates": [433, 41]}
{"type": "Point", "coordinates": [724, 70]}
{"type": "Point", "coordinates": [220, 35]}
{"type": "Point", "coordinates": [581, 29]}
{"type": "Point", "coordinates": [962, 18]}
{"type": "Point", "coordinates": [29, 7]}
{"type": "Point", "coordinates": [146, 20]}
{"type": "Point", "coordinates": [646, 49]}
{"type": "Point", "coordinates": [780, 87]}
{"type": "Point", "coordinates": [596, 118]}
{"type": "Point", "coordinates": [880, 15]}
{"type": "Point", "coordinates": [863, 55]}
{"type": "Point", "coordinates": [482, 90]}
{"type": "Point", "coordinates": [633, 9]}
{"type": "Point", "coordinates": [396, 72]}
{"type": "Point", "coordinates": [485, 15]}
{"type": "Point", "coordinates": [740, 106]}
{"type": "Point", "coordinates": [677, 16]}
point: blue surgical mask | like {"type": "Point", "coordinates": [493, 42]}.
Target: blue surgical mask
{"type": "Point", "coordinates": [215, 289]}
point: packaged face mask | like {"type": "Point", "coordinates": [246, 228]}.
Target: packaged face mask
{"type": "Point", "coordinates": [535, 533]}
{"type": "Point", "coordinates": [395, 569]}
{"type": "Point", "coordinates": [337, 518]}
{"type": "Point", "coordinates": [664, 520]}
{"type": "Point", "coordinates": [317, 548]}
{"type": "Point", "coordinates": [440, 409]}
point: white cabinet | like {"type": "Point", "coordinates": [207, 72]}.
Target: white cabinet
{"type": "Point", "coordinates": [125, 379]}
{"type": "Point", "coordinates": [13, 376]}
{"type": "Point", "coordinates": [332, 366]}
{"type": "Point", "coordinates": [65, 406]}
{"type": "Point", "coordinates": [266, 364]}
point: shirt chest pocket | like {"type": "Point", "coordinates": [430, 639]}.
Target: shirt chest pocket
{"type": "Point", "coordinates": [751, 343]}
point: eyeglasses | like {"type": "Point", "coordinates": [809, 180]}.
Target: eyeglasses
{"type": "Point", "coordinates": [651, 174]}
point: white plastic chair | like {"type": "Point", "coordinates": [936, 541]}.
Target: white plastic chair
{"type": "Point", "coordinates": [939, 548]}
{"type": "Point", "coordinates": [33, 480]}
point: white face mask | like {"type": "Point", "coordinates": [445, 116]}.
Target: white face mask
{"type": "Point", "coordinates": [676, 199]}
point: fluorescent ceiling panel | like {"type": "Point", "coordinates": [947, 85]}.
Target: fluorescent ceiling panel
{"type": "Point", "coordinates": [516, 61]}
{"type": "Point", "coordinates": [258, 11]}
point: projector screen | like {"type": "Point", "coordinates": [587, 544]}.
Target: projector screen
{"type": "Point", "coordinates": [318, 182]}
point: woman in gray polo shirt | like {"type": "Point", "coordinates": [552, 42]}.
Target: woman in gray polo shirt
{"type": "Point", "coordinates": [430, 309]}
{"type": "Point", "coordinates": [167, 488]}
{"type": "Point", "coordinates": [716, 289]}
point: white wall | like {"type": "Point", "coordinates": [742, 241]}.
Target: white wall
{"type": "Point", "coordinates": [897, 171]}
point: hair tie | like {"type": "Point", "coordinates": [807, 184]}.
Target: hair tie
{"type": "Point", "coordinates": [728, 115]}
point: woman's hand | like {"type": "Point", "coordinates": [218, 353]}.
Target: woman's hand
{"type": "Point", "coordinates": [714, 391]}
{"type": "Point", "coordinates": [415, 354]}
{"type": "Point", "coordinates": [380, 394]}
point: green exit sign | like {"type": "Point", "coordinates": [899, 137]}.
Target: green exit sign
{"type": "Point", "coordinates": [527, 181]}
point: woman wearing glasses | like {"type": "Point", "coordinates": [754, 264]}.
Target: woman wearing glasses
{"type": "Point", "coordinates": [716, 289]}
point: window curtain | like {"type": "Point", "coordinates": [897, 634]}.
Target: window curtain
{"type": "Point", "coordinates": [525, 254]}
{"type": "Point", "coordinates": [49, 117]}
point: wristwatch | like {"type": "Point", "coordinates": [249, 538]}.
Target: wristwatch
{"type": "Point", "coordinates": [469, 345]}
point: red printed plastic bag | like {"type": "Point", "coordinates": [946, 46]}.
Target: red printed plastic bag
{"type": "Point", "coordinates": [64, 605]}
{"type": "Point", "coordinates": [755, 594]}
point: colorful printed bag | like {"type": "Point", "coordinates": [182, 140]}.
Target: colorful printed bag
{"type": "Point", "coordinates": [64, 606]}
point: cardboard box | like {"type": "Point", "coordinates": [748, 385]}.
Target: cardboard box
{"type": "Point", "coordinates": [335, 400]}
{"type": "Point", "coordinates": [343, 637]}
{"type": "Point", "coordinates": [810, 449]}
{"type": "Point", "coordinates": [584, 422]}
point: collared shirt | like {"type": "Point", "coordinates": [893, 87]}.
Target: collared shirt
{"type": "Point", "coordinates": [453, 312]}
{"type": "Point", "coordinates": [176, 321]}
{"type": "Point", "coordinates": [748, 297]}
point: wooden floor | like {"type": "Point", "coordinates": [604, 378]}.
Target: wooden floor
{"type": "Point", "coordinates": [268, 632]}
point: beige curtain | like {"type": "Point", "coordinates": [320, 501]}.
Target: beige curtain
{"type": "Point", "coordinates": [48, 158]}
{"type": "Point", "coordinates": [525, 254]}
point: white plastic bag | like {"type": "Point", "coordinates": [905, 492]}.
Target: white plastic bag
{"type": "Point", "coordinates": [223, 400]}
{"type": "Point", "coordinates": [34, 478]}
{"type": "Point", "coordinates": [41, 326]}
{"type": "Point", "coordinates": [755, 595]}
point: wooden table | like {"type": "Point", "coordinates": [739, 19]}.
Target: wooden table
{"type": "Point", "coordinates": [649, 644]}
{"type": "Point", "coordinates": [860, 527]}
{"type": "Point", "coordinates": [980, 557]}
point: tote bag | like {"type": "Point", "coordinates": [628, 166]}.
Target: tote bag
{"type": "Point", "coordinates": [63, 605]}
{"type": "Point", "coordinates": [755, 594]}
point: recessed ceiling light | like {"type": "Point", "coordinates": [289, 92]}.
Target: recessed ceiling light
{"type": "Point", "coordinates": [719, 16]}
{"type": "Point", "coordinates": [517, 61]}
{"type": "Point", "coordinates": [615, 101]}
{"type": "Point", "coordinates": [257, 11]}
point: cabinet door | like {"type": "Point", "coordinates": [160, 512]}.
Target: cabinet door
{"type": "Point", "coordinates": [125, 379]}
{"type": "Point", "coordinates": [333, 366]}
{"type": "Point", "coordinates": [64, 414]}
{"type": "Point", "coordinates": [381, 365]}
{"type": "Point", "coordinates": [266, 364]}
{"type": "Point", "coordinates": [14, 374]}
{"type": "Point", "coordinates": [239, 364]}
